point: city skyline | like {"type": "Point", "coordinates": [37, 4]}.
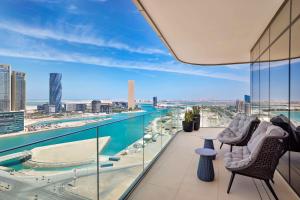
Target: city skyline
{"type": "Point", "coordinates": [97, 49]}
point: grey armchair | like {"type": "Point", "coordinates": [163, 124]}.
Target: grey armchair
{"type": "Point", "coordinates": [261, 155]}
{"type": "Point", "coordinates": [239, 131]}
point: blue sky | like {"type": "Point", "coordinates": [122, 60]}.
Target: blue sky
{"type": "Point", "coordinates": [100, 44]}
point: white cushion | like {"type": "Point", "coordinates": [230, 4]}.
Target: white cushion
{"type": "Point", "coordinates": [237, 129]}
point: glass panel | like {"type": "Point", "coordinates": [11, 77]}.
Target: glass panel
{"type": "Point", "coordinates": [295, 171]}
{"type": "Point", "coordinates": [279, 89]}
{"type": "Point", "coordinates": [295, 100]}
{"type": "Point", "coordinates": [217, 115]}
{"type": "Point", "coordinates": [281, 21]}
{"type": "Point", "coordinates": [152, 136]}
{"type": "Point", "coordinates": [57, 168]}
{"type": "Point", "coordinates": [264, 86]}
{"type": "Point", "coordinates": [126, 147]}
{"type": "Point", "coordinates": [168, 126]}
{"type": "Point", "coordinates": [255, 88]}
{"type": "Point", "coordinates": [295, 95]}
{"type": "Point", "coordinates": [295, 118]}
{"type": "Point", "coordinates": [264, 41]}
{"type": "Point", "coordinates": [251, 86]}
{"type": "Point", "coordinates": [279, 77]}
{"type": "Point", "coordinates": [295, 39]}
{"type": "Point", "coordinates": [295, 8]}
{"type": "Point", "coordinates": [255, 52]}
{"type": "Point", "coordinates": [280, 49]}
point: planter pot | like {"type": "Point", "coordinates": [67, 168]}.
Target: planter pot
{"type": "Point", "coordinates": [188, 126]}
{"type": "Point", "coordinates": [196, 119]}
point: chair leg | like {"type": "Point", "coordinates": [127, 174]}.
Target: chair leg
{"type": "Point", "coordinates": [221, 145]}
{"type": "Point", "coordinates": [271, 189]}
{"type": "Point", "coordinates": [230, 148]}
{"type": "Point", "coordinates": [230, 182]}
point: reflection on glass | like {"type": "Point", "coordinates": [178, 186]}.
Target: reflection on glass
{"type": "Point", "coordinates": [264, 86]}
{"type": "Point", "coordinates": [295, 95]}
{"type": "Point", "coordinates": [255, 88]}
{"type": "Point", "coordinates": [281, 22]}
{"type": "Point", "coordinates": [295, 9]}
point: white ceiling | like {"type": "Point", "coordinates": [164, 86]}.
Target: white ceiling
{"type": "Point", "coordinates": [209, 31]}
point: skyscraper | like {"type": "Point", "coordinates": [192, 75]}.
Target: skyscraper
{"type": "Point", "coordinates": [154, 101]}
{"type": "Point", "coordinates": [247, 98]}
{"type": "Point", "coordinates": [55, 91]}
{"type": "Point", "coordinates": [239, 106]}
{"type": "Point", "coordinates": [18, 91]}
{"type": "Point", "coordinates": [247, 105]}
{"type": "Point", "coordinates": [4, 88]}
{"type": "Point", "coordinates": [131, 101]}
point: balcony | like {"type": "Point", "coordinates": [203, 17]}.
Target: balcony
{"type": "Point", "coordinates": [146, 157]}
{"type": "Point", "coordinates": [174, 176]}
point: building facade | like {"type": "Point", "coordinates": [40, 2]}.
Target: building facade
{"type": "Point", "coordinates": [5, 88]}
{"type": "Point", "coordinates": [55, 91]}
{"type": "Point", "coordinates": [131, 99]}
{"type": "Point", "coordinates": [154, 101]}
{"type": "Point", "coordinates": [275, 80]}
{"type": "Point", "coordinates": [75, 107]}
{"type": "Point", "coordinates": [99, 107]}
{"type": "Point", "coordinates": [96, 106]}
{"type": "Point", "coordinates": [239, 106]}
{"type": "Point", "coordinates": [18, 91]}
{"type": "Point", "coordinates": [120, 104]}
{"type": "Point", "coordinates": [11, 122]}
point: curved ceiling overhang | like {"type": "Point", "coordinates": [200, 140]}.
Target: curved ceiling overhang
{"type": "Point", "coordinates": [209, 32]}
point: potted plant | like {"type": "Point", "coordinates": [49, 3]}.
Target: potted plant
{"type": "Point", "coordinates": [196, 117]}
{"type": "Point", "coordinates": [188, 123]}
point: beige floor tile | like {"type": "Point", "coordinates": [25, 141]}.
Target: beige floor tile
{"type": "Point", "coordinates": [152, 192]}
{"type": "Point", "coordinates": [174, 176]}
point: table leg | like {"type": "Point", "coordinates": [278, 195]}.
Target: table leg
{"type": "Point", "coordinates": [206, 169]}
{"type": "Point", "coordinates": [210, 145]}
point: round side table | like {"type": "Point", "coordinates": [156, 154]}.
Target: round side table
{"type": "Point", "coordinates": [209, 142]}
{"type": "Point", "coordinates": [205, 170]}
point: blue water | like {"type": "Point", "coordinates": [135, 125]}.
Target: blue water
{"type": "Point", "coordinates": [72, 120]}
{"type": "Point", "coordinates": [295, 115]}
{"type": "Point", "coordinates": [121, 133]}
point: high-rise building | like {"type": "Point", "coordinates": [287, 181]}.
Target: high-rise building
{"type": "Point", "coordinates": [154, 101]}
{"type": "Point", "coordinates": [239, 105]}
{"type": "Point", "coordinates": [55, 91]}
{"type": "Point", "coordinates": [96, 106]}
{"type": "Point", "coordinates": [18, 91]}
{"type": "Point", "coordinates": [11, 122]}
{"type": "Point", "coordinates": [247, 98]}
{"type": "Point", "coordinates": [131, 100]}
{"type": "Point", "coordinates": [5, 88]}
{"type": "Point", "coordinates": [99, 107]}
{"type": "Point", "coordinates": [247, 106]}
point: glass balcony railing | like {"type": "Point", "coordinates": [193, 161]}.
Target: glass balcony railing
{"type": "Point", "coordinates": [100, 162]}
{"type": "Point", "coordinates": [215, 115]}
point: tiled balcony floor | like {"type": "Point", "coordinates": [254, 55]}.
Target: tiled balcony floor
{"type": "Point", "coordinates": [173, 176]}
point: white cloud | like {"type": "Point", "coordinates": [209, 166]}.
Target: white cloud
{"type": "Point", "coordinates": [54, 55]}
{"type": "Point", "coordinates": [72, 8]}
{"type": "Point", "coordinates": [102, 1]}
{"type": "Point", "coordinates": [80, 35]}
